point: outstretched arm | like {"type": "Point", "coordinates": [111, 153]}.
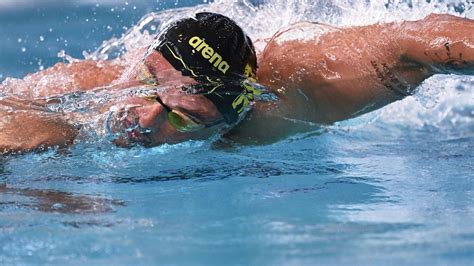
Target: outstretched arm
{"type": "Point", "coordinates": [30, 130]}
{"type": "Point", "coordinates": [324, 74]}
{"type": "Point", "coordinates": [443, 43]}
{"type": "Point", "coordinates": [64, 78]}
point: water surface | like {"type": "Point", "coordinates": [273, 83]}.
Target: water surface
{"type": "Point", "coordinates": [391, 187]}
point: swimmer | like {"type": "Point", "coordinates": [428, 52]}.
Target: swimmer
{"type": "Point", "coordinates": [320, 74]}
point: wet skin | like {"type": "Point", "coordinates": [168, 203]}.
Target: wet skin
{"type": "Point", "coordinates": [338, 74]}
{"type": "Point", "coordinates": [332, 75]}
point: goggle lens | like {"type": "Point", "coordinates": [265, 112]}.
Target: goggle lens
{"type": "Point", "coordinates": [182, 122]}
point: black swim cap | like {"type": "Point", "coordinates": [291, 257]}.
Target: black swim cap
{"type": "Point", "coordinates": [215, 51]}
{"type": "Point", "coordinates": [208, 46]}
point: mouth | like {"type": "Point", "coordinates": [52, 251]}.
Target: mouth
{"type": "Point", "coordinates": [125, 129]}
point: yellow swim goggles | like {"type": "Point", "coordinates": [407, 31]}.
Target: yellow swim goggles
{"type": "Point", "coordinates": [182, 122]}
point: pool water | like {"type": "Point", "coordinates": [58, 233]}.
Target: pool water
{"type": "Point", "coordinates": [391, 187]}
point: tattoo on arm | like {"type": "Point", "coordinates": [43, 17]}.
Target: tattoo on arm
{"type": "Point", "coordinates": [452, 62]}
{"type": "Point", "coordinates": [389, 79]}
{"type": "Point", "coordinates": [448, 50]}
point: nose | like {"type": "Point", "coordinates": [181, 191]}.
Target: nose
{"type": "Point", "coordinates": [151, 116]}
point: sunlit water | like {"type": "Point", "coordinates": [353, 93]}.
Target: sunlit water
{"type": "Point", "coordinates": [394, 186]}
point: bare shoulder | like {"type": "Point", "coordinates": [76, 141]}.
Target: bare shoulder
{"type": "Point", "coordinates": [319, 39]}
{"type": "Point", "coordinates": [292, 43]}
{"type": "Point", "coordinates": [307, 49]}
{"type": "Point", "coordinates": [302, 32]}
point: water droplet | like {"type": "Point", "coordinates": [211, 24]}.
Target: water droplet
{"type": "Point", "coordinates": [20, 40]}
{"type": "Point", "coordinates": [23, 49]}
{"type": "Point", "coordinates": [41, 38]}
{"type": "Point", "coordinates": [57, 206]}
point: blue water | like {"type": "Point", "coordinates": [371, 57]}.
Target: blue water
{"type": "Point", "coordinates": [392, 187]}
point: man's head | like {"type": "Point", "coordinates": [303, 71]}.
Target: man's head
{"type": "Point", "coordinates": [214, 51]}
{"type": "Point", "coordinates": [208, 47]}
{"type": "Point", "coordinates": [207, 59]}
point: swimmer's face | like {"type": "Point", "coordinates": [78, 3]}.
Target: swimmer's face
{"type": "Point", "coordinates": [144, 121]}
{"type": "Point", "coordinates": [140, 120]}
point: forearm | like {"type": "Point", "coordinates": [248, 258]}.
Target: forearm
{"type": "Point", "coordinates": [63, 78]}
{"type": "Point", "coordinates": [33, 131]}
{"type": "Point", "coordinates": [443, 43]}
